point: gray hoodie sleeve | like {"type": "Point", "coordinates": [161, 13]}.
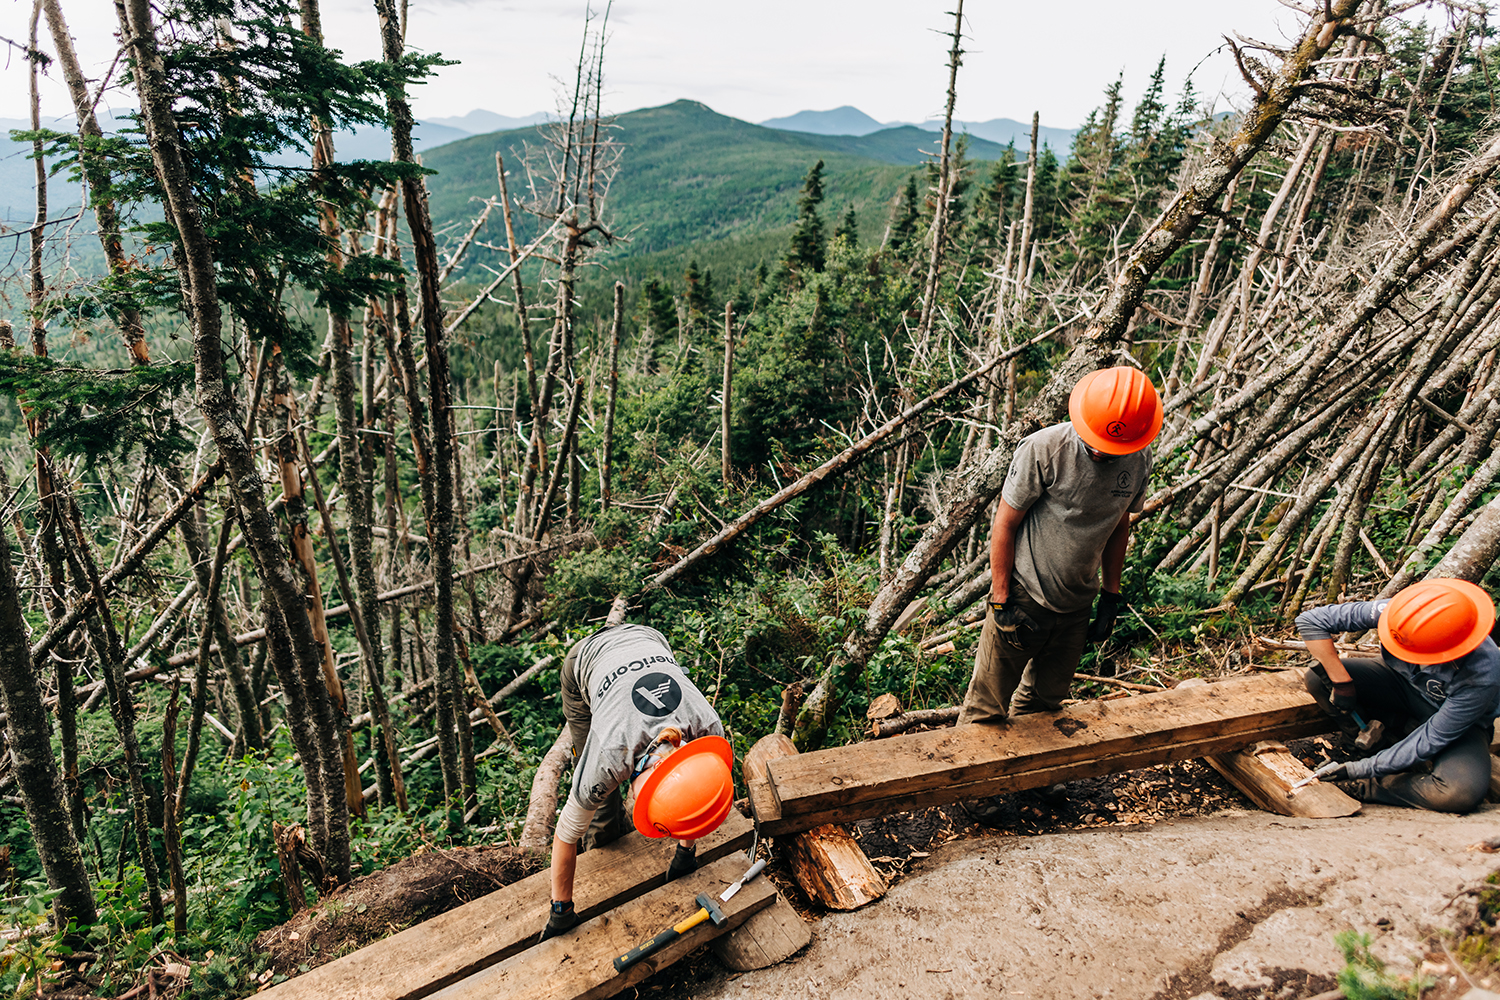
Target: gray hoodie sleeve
{"type": "Point", "coordinates": [1324, 622]}
{"type": "Point", "coordinates": [1465, 706]}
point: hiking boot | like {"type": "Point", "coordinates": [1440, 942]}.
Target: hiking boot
{"type": "Point", "coordinates": [1359, 789]}
{"type": "Point", "coordinates": [1054, 795]}
{"type": "Point", "coordinates": [989, 811]}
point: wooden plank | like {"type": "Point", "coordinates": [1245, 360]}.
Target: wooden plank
{"type": "Point", "coordinates": [1266, 773]}
{"type": "Point", "coordinates": [1085, 740]}
{"type": "Point", "coordinates": [420, 960]}
{"type": "Point", "coordinates": [827, 862]}
{"type": "Point", "coordinates": [579, 965]}
{"type": "Point", "coordinates": [1041, 777]}
{"type": "Point", "coordinates": [773, 935]}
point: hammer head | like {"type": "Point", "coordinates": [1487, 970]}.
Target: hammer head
{"type": "Point", "coordinates": [1370, 736]}
{"type": "Point", "coordinates": [711, 904]}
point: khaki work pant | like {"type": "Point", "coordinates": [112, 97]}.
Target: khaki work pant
{"type": "Point", "coordinates": [1034, 678]}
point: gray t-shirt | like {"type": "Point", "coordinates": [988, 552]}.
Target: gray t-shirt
{"type": "Point", "coordinates": [635, 689]}
{"type": "Point", "coordinates": [1072, 506]}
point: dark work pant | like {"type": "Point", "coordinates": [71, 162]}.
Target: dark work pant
{"type": "Point", "coordinates": [1033, 678]}
{"type": "Point", "coordinates": [609, 820]}
{"type": "Point", "coordinates": [1456, 780]}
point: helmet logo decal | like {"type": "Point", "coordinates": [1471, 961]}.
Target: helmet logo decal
{"type": "Point", "coordinates": [656, 695]}
{"type": "Point", "coordinates": [1115, 428]}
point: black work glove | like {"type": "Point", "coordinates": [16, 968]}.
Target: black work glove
{"type": "Point", "coordinates": [1344, 697]}
{"type": "Point", "coordinates": [684, 862]}
{"type": "Point", "coordinates": [1104, 617]}
{"type": "Point", "coordinates": [1016, 627]}
{"type": "Point", "coordinates": [562, 918]}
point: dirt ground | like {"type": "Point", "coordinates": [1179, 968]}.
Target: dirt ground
{"type": "Point", "coordinates": [1236, 905]}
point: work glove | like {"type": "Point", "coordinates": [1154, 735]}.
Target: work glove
{"type": "Point", "coordinates": [1016, 628]}
{"type": "Point", "coordinates": [562, 919]}
{"type": "Point", "coordinates": [1104, 617]}
{"type": "Point", "coordinates": [684, 862]}
{"type": "Point", "coordinates": [1344, 697]}
{"type": "Point", "coordinates": [1330, 770]}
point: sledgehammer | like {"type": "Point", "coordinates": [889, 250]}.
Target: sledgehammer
{"type": "Point", "coordinates": [708, 910]}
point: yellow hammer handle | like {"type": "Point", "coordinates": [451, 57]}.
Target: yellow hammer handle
{"type": "Point", "coordinates": [692, 921]}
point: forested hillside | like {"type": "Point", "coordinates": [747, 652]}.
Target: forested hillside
{"type": "Point", "coordinates": [309, 494]}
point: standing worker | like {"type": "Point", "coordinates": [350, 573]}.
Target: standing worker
{"type": "Point", "coordinates": [1438, 676]}
{"type": "Point", "coordinates": [636, 719]}
{"type": "Point", "coordinates": [1063, 513]}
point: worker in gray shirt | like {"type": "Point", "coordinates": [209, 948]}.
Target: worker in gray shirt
{"type": "Point", "coordinates": [636, 719]}
{"type": "Point", "coordinates": [1436, 685]}
{"type": "Point", "coordinates": [1063, 515]}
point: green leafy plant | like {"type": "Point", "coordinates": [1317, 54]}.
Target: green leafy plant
{"type": "Point", "coordinates": [26, 968]}
{"type": "Point", "coordinates": [1365, 977]}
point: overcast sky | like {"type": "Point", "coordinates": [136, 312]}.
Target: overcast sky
{"type": "Point", "coordinates": [769, 58]}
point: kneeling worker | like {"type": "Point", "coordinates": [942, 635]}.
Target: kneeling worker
{"type": "Point", "coordinates": [1438, 676]}
{"type": "Point", "coordinates": [1064, 512]}
{"type": "Point", "coordinates": [636, 719]}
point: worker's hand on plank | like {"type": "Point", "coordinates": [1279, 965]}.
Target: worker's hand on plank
{"type": "Point", "coordinates": [1104, 616]}
{"type": "Point", "coordinates": [1015, 625]}
{"type": "Point", "coordinates": [562, 918]}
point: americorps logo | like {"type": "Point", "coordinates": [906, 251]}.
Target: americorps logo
{"type": "Point", "coordinates": [656, 695]}
{"type": "Point", "coordinates": [633, 667]}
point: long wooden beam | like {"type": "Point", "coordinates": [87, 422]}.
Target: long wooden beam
{"type": "Point", "coordinates": [1081, 741]}
{"type": "Point", "coordinates": [423, 959]}
{"type": "Point", "coordinates": [580, 964]}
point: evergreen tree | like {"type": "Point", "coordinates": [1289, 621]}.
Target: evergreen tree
{"type": "Point", "coordinates": [996, 200]}
{"type": "Point", "coordinates": [699, 298]}
{"type": "Point", "coordinates": [807, 251]}
{"type": "Point", "coordinates": [848, 229]}
{"type": "Point", "coordinates": [656, 315]}
{"type": "Point", "coordinates": [904, 221]}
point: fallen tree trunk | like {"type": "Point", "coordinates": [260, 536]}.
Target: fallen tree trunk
{"type": "Point", "coordinates": [835, 465]}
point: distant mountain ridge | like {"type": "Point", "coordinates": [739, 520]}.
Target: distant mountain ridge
{"type": "Point", "coordinates": [479, 121]}
{"type": "Point", "coordinates": [849, 120]}
{"type": "Point", "coordinates": [840, 121]}
{"type": "Point", "coordinates": [693, 183]}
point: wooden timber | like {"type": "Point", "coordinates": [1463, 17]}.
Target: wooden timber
{"type": "Point", "coordinates": [1081, 741]}
{"type": "Point", "coordinates": [423, 959]}
{"type": "Point", "coordinates": [1266, 773]}
{"type": "Point", "coordinates": [828, 863]}
{"type": "Point", "coordinates": [579, 965]}
{"type": "Point", "coordinates": [773, 935]}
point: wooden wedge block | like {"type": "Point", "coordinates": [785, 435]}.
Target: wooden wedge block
{"type": "Point", "coordinates": [828, 863]}
{"type": "Point", "coordinates": [1266, 773]}
{"type": "Point", "coordinates": [773, 935]}
{"type": "Point", "coordinates": [579, 965]}
{"type": "Point", "coordinates": [423, 959]}
{"type": "Point", "coordinates": [1081, 741]}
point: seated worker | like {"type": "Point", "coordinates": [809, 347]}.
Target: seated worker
{"type": "Point", "coordinates": [636, 719]}
{"type": "Point", "coordinates": [1438, 678]}
{"type": "Point", "coordinates": [1063, 515]}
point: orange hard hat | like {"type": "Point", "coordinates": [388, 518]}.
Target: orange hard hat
{"type": "Point", "coordinates": [1436, 621]}
{"type": "Point", "coordinates": [1115, 410]}
{"type": "Point", "coordinates": [689, 793]}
